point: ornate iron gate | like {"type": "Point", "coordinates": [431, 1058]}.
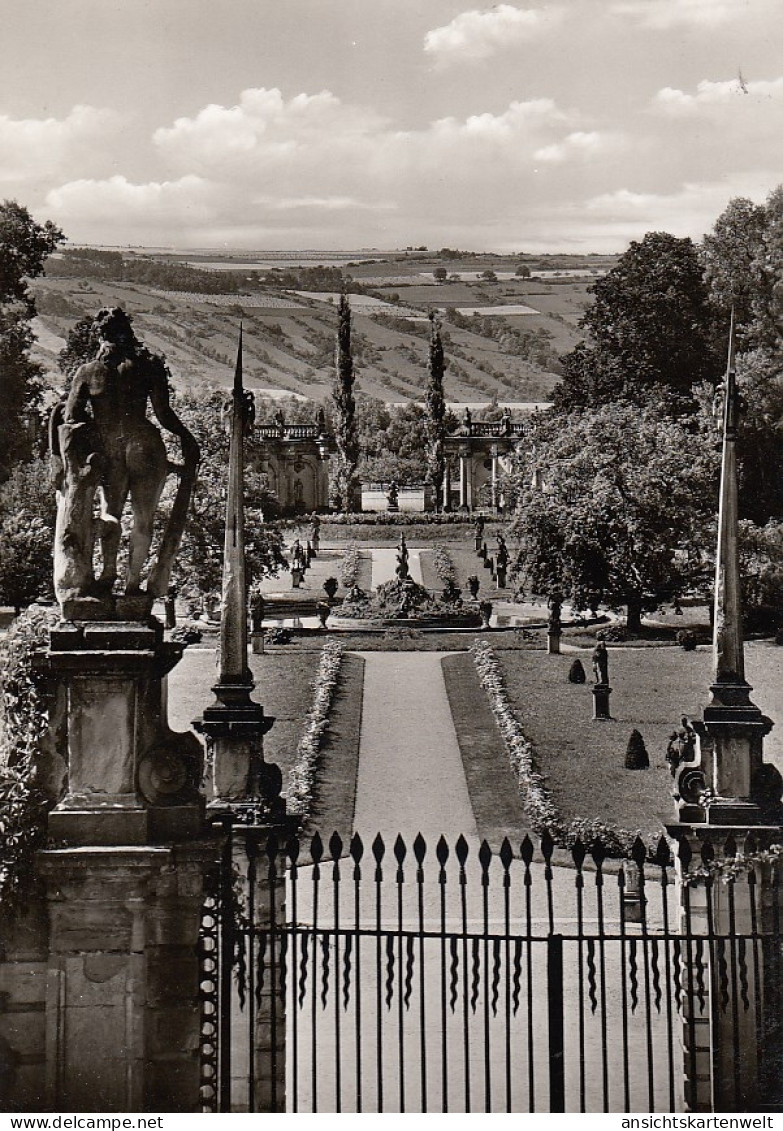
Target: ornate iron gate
{"type": "Point", "coordinates": [406, 977]}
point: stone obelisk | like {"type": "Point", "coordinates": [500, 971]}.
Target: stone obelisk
{"type": "Point", "coordinates": [235, 724]}
{"type": "Point", "coordinates": [734, 727]}
{"type": "Point", "coordinates": [728, 803]}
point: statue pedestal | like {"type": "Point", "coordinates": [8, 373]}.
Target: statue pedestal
{"type": "Point", "coordinates": [130, 779]}
{"type": "Point", "coordinates": [601, 693]}
{"type": "Point", "coordinates": [553, 642]}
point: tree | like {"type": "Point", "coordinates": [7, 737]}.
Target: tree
{"type": "Point", "coordinates": [400, 450]}
{"type": "Point", "coordinates": [436, 413]}
{"type": "Point", "coordinates": [24, 246]}
{"type": "Point", "coordinates": [617, 505]}
{"type": "Point", "coordinates": [488, 276]}
{"type": "Point", "coordinates": [199, 565]}
{"type": "Point", "coordinates": [27, 513]}
{"type": "Point", "coordinates": [440, 274]}
{"type": "Point", "coordinates": [343, 485]}
{"type": "Point", "coordinates": [729, 254]}
{"type": "Point", "coordinates": [522, 271]}
{"type": "Point", "coordinates": [768, 272]}
{"type": "Point", "coordinates": [650, 325]}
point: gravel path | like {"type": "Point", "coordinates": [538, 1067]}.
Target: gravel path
{"type": "Point", "coordinates": [410, 771]}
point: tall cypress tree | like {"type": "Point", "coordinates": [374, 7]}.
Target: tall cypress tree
{"type": "Point", "coordinates": [343, 486]}
{"type": "Point", "coordinates": [436, 412]}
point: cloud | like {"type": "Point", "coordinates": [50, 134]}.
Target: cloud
{"type": "Point", "coordinates": [270, 164]}
{"type": "Point", "coordinates": [154, 206]}
{"type": "Point", "coordinates": [263, 126]}
{"type": "Point", "coordinates": [691, 209]}
{"type": "Point", "coordinates": [663, 15]}
{"type": "Point", "coordinates": [580, 144]}
{"type": "Point", "coordinates": [729, 93]}
{"type": "Point", "coordinates": [33, 148]}
{"type": "Point", "coordinates": [477, 34]}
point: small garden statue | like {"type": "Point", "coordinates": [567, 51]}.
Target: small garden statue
{"type": "Point", "coordinates": [393, 496]}
{"type": "Point", "coordinates": [320, 421]}
{"type": "Point", "coordinates": [315, 534]}
{"type": "Point", "coordinates": [170, 606]}
{"type": "Point", "coordinates": [555, 609]}
{"type": "Point", "coordinates": [402, 559]}
{"type": "Point", "coordinates": [473, 585]}
{"type": "Point", "coordinates": [478, 530]}
{"type": "Point", "coordinates": [256, 609]}
{"type": "Point", "coordinates": [501, 562]}
{"type": "Point", "coordinates": [682, 745]}
{"type": "Point", "coordinates": [297, 556]}
{"type": "Point", "coordinates": [600, 663]}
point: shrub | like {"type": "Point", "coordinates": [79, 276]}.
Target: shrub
{"type": "Point", "coordinates": [636, 756]}
{"type": "Point", "coordinates": [443, 564]}
{"type": "Point", "coordinates": [349, 566]}
{"type": "Point", "coordinates": [615, 634]}
{"type": "Point", "coordinates": [576, 673]}
{"type": "Point", "coordinates": [24, 711]}
{"type": "Point", "coordinates": [687, 640]}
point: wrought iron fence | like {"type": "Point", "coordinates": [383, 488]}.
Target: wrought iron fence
{"type": "Point", "coordinates": [414, 978]}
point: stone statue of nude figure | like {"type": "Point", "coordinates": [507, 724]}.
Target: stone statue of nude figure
{"type": "Point", "coordinates": [106, 448]}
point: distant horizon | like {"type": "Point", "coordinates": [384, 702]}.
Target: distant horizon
{"type": "Point", "coordinates": [342, 252]}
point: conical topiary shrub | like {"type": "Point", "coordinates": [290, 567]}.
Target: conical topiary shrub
{"type": "Point", "coordinates": [576, 673]}
{"type": "Point", "coordinates": [636, 756]}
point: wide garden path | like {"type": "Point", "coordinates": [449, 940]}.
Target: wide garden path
{"type": "Point", "coordinates": [410, 777]}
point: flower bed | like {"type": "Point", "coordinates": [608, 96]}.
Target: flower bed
{"type": "Point", "coordinates": [404, 518]}
{"type": "Point", "coordinates": [302, 777]}
{"type": "Point", "coordinates": [538, 804]}
{"type": "Point", "coordinates": [443, 564]}
{"type": "Point", "coordinates": [350, 565]}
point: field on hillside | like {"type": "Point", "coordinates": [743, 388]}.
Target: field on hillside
{"type": "Point", "coordinates": [289, 334]}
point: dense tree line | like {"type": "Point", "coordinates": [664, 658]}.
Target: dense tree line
{"type": "Point", "coordinates": [617, 492]}
{"type": "Point", "coordinates": [166, 275]}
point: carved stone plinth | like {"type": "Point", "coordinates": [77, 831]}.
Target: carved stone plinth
{"type": "Point", "coordinates": [122, 1012]}
{"type": "Point", "coordinates": [129, 778]}
{"type": "Point", "coordinates": [553, 642]}
{"type": "Point", "coordinates": [601, 693]}
{"type": "Point", "coordinates": [237, 774]}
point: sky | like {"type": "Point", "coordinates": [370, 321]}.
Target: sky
{"type": "Point", "coordinates": [273, 124]}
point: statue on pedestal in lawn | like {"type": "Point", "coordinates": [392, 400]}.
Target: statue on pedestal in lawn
{"type": "Point", "coordinates": [106, 451]}
{"type": "Point", "coordinates": [402, 559]}
{"type": "Point", "coordinates": [600, 664]}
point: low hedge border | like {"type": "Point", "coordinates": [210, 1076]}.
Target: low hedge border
{"type": "Point", "coordinates": [302, 777]}
{"type": "Point", "coordinates": [613, 840]}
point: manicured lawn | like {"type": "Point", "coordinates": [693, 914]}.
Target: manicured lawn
{"type": "Point", "coordinates": [492, 786]}
{"type": "Point", "coordinates": [335, 795]}
{"type": "Point", "coordinates": [583, 760]}
{"type": "Point", "coordinates": [283, 687]}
